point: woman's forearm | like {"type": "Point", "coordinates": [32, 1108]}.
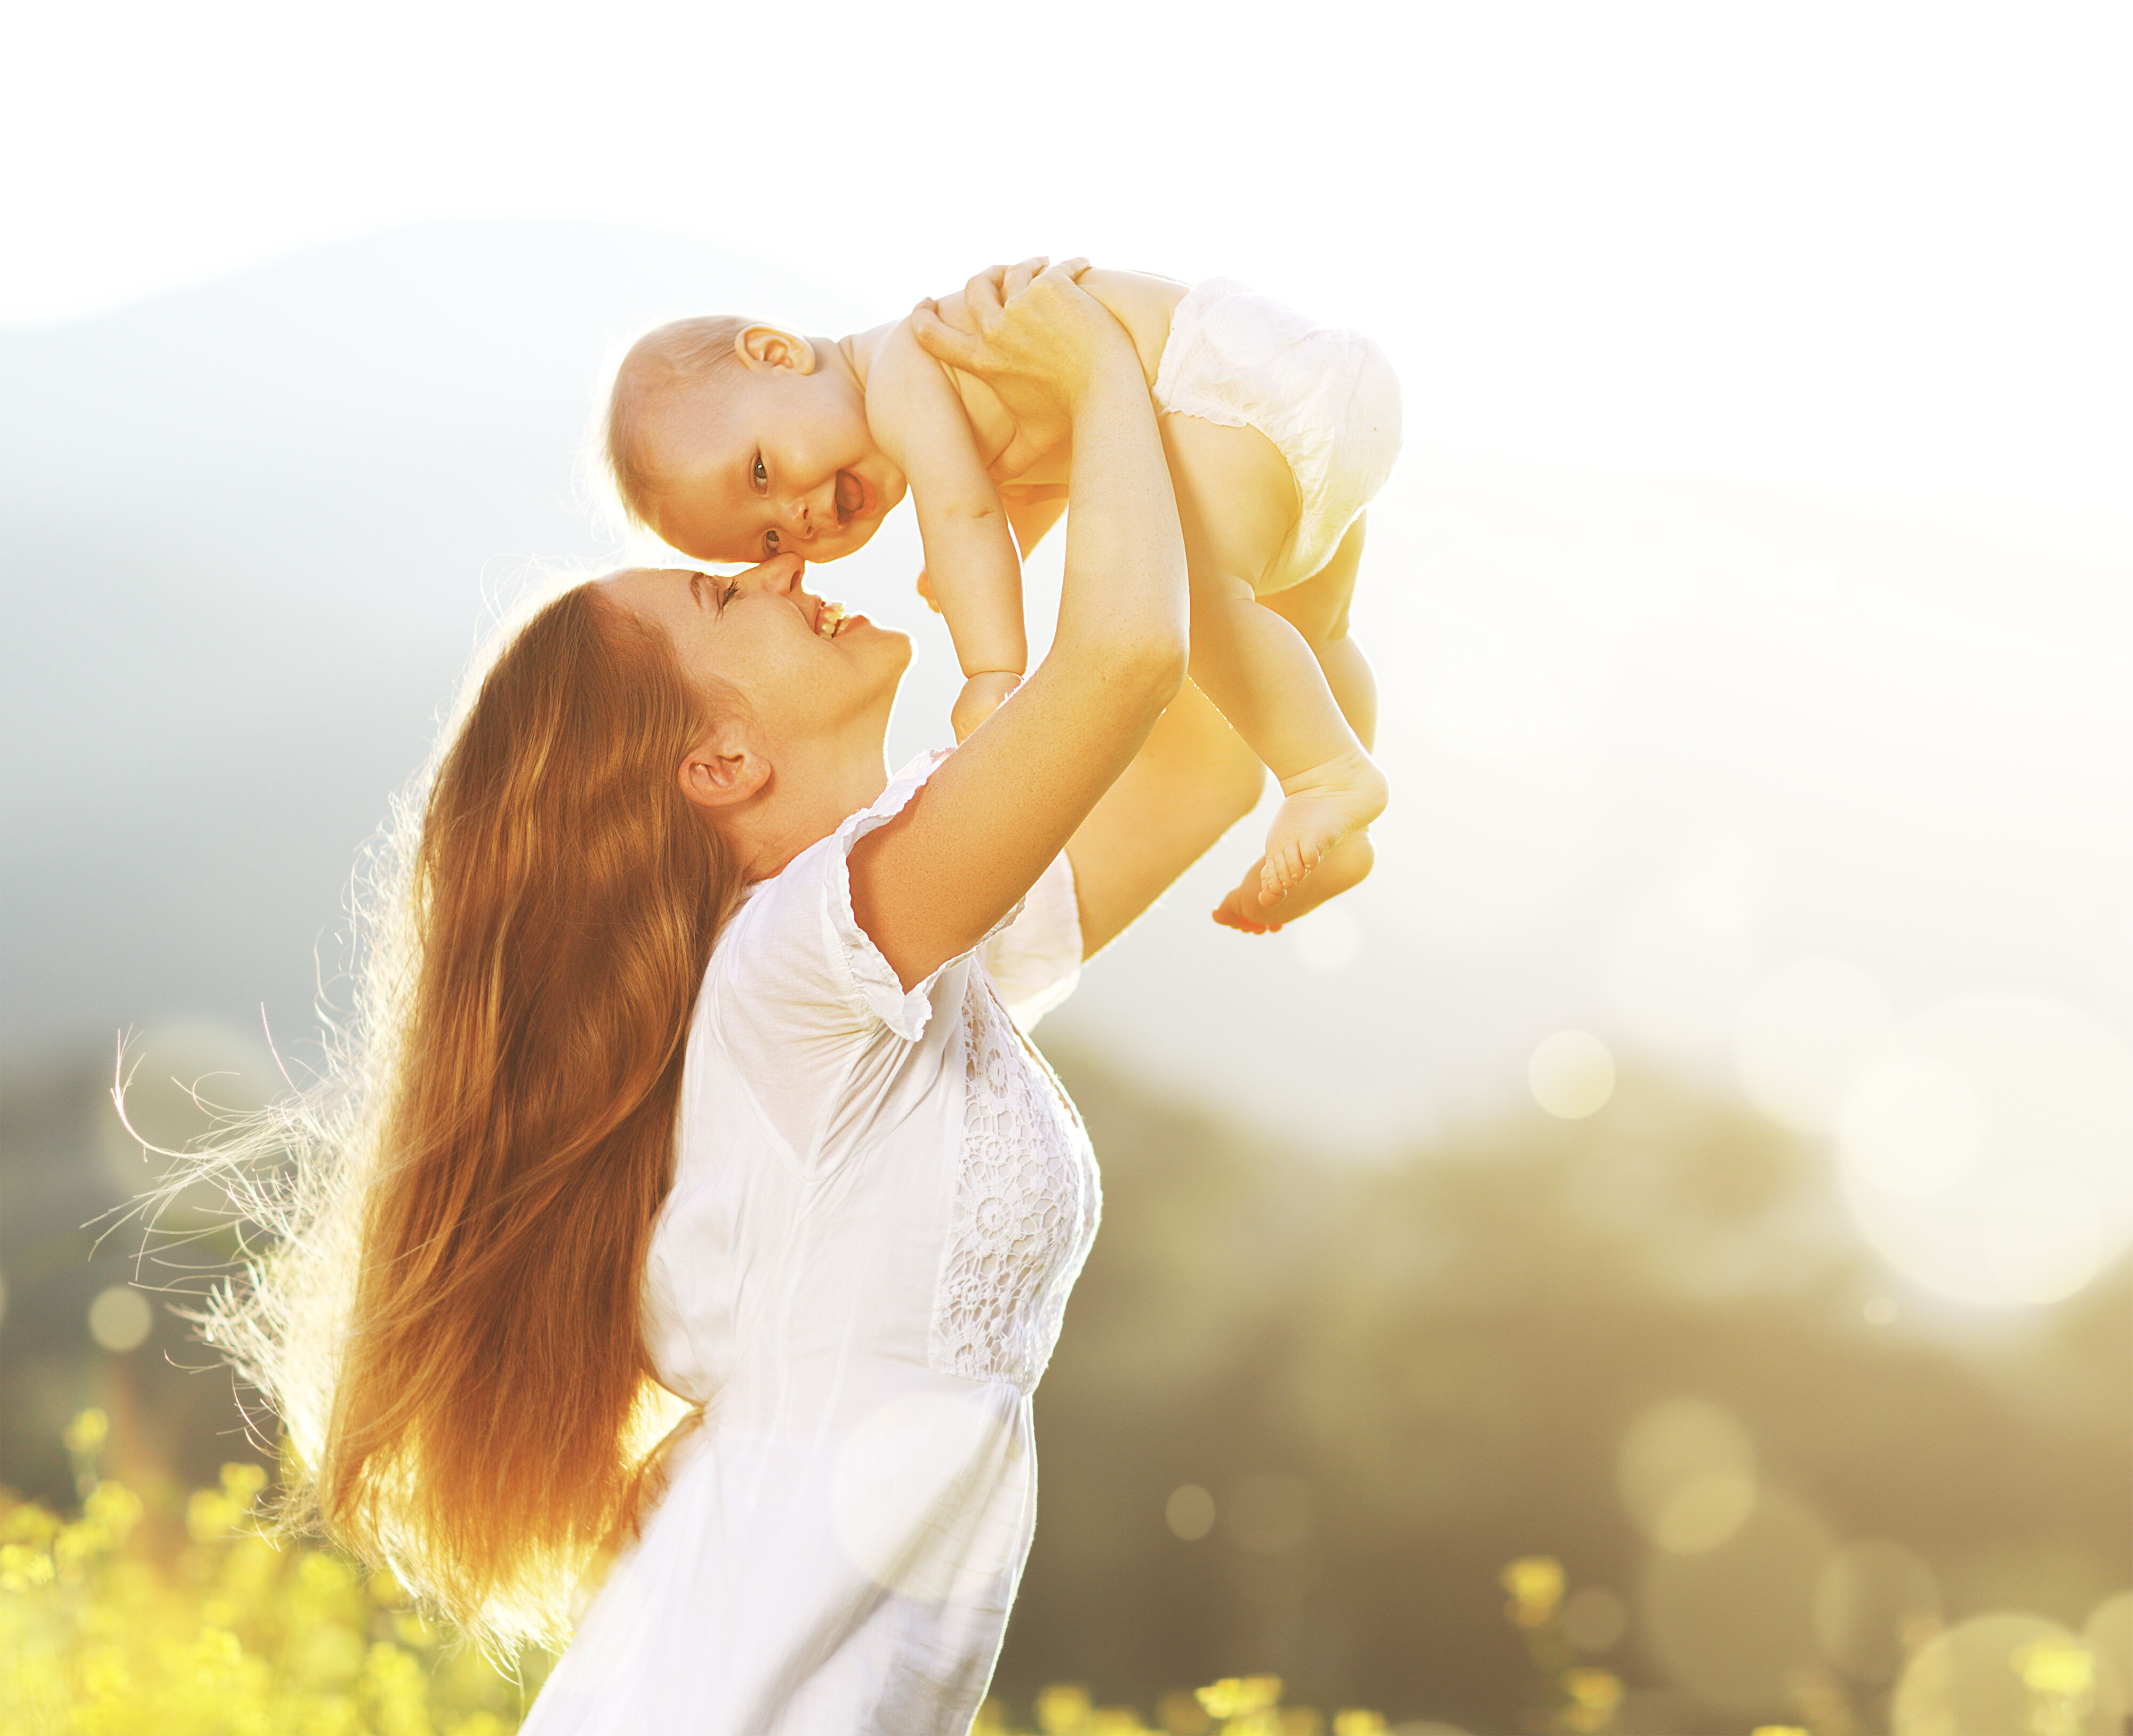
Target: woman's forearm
{"type": "Point", "coordinates": [1123, 607]}
{"type": "Point", "coordinates": [928, 884]}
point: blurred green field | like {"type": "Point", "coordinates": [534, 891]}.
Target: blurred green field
{"type": "Point", "coordinates": [170, 1617]}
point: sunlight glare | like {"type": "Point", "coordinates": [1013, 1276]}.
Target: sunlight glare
{"type": "Point", "coordinates": [1189, 1512]}
{"type": "Point", "coordinates": [1498, 682]}
{"type": "Point", "coordinates": [1804, 1033]}
{"type": "Point", "coordinates": [1680, 961]}
{"type": "Point", "coordinates": [1911, 1125]}
{"type": "Point", "coordinates": [1876, 1604]}
{"type": "Point", "coordinates": [120, 1318]}
{"type": "Point", "coordinates": [1988, 1155]}
{"type": "Point", "coordinates": [1686, 1472]}
{"type": "Point", "coordinates": [2008, 1674]}
{"type": "Point", "coordinates": [886, 1492]}
{"type": "Point", "coordinates": [1572, 1075]}
{"type": "Point", "coordinates": [1327, 941]}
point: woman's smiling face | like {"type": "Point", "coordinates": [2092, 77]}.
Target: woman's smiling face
{"type": "Point", "coordinates": [802, 669]}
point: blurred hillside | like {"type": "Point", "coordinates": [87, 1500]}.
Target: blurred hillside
{"type": "Point", "coordinates": [1762, 787]}
{"type": "Point", "coordinates": [1304, 1412]}
{"type": "Point", "coordinates": [245, 535]}
{"type": "Point", "coordinates": [1652, 737]}
{"type": "Point", "coordinates": [1392, 1381]}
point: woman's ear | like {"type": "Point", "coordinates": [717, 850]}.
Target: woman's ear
{"type": "Point", "coordinates": [768, 349]}
{"type": "Point", "coordinates": [722, 770]}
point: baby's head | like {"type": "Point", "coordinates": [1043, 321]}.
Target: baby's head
{"type": "Point", "coordinates": [734, 441]}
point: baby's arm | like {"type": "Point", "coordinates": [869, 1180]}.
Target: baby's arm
{"type": "Point", "coordinates": [971, 567]}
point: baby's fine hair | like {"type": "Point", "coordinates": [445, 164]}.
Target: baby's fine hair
{"type": "Point", "coordinates": [666, 362]}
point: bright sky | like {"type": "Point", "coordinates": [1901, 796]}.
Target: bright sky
{"type": "Point", "coordinates": [1881, 249]}
{"type": "Point", "coordinates": [1850, 242]}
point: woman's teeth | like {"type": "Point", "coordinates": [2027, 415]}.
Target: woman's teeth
{"type": "Point", "coordinates": [828, 619]}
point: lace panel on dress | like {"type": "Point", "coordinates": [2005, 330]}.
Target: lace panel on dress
{"type": "Point", "coordinates": [1025, 1210]}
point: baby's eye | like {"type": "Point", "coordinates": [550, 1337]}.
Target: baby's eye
{"type": "Point", "coordinates": [770, 542]}
{"type": "Point", "coordinates": [761, 475]}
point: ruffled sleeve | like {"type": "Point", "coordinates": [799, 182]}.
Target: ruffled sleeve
{"type": "Point", "coordinates": [794, 966]}
{"type": "Point", "coordinates": [870, 981]}
{"type": "Point", "coordinates": [1035, 960]}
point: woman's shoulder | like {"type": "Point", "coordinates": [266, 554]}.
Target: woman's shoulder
{"type": "Point", "coordinates": [794, 951]}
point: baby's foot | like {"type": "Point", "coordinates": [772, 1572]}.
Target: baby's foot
{"type": "Point", "coordinates": [1346, 864]}
{"type": "Point", "coordinates": [1332, 800]}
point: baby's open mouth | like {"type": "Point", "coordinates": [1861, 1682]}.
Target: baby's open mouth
{"type": "Point", "coordinates": [851, 496]}
{"type": "Point", "coordinates": [828, 618]}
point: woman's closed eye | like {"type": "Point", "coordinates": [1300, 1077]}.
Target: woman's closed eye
{"type": "Point", "coordinates": [727, 592]}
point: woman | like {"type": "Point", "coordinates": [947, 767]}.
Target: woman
{"type": "Point", "coordinates": [696, 1071]}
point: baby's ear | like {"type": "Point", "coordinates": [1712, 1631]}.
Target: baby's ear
{"type": "Point", "coordinates": [768, 348]}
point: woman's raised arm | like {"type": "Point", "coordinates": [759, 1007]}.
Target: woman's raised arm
{"type": "Point", "coordinates": [929, 884]}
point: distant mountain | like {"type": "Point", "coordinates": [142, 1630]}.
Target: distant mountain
{"type": "Point", "coordinates": [245, 534]}
{"type": "Point", "coordinates": [1650, 735]}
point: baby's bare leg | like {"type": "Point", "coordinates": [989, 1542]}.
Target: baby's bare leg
{"type": "Point", "coordinates": [1318, 609]}
{"type": "Point", "coordinates": [1236, 502]}
{"type": "Point", "coordinates": [1258, 671]}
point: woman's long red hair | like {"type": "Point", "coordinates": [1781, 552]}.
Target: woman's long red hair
{"type": "Point", "coordinates": [451, 1315]}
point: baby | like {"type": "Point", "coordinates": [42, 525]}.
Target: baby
{"type": "Point", "coordinates": [734, 441]}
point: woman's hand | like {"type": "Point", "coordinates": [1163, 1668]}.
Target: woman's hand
{"type": "Point", "coordinates": [1038, 340]}
{"type": "Point", "coordinates": [928, 885]}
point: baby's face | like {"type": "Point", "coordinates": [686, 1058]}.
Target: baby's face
{"type": "Point", "coordinates": [767, 463]}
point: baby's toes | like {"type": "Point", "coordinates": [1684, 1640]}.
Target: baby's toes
{"type": "Point", "coordinates": [1236, 911]}
{"type": "Point", "coordinates": [1284, 868]}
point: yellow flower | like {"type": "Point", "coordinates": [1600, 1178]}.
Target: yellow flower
{"type": "Point", "coordinates": [1062, 1711]}
{"type": "Point", "coordinates": [1535, 1584]}
{"type": "Point", "coordinates": [2054, 1668]}
{"type": "Point", "coordinates": [210, 1515]}
{"type": "Point", "coordinates": [26, 1523]}
{"type": "Point", "coordinates": [86, 1434]}
{"type": "Point", "coordinates": [113, 1507]}
{"type": "Point", "coordinates": [1239, 1696]}
{"type": "Point", "coordinates": [22, 1566]}
{"type": "Point", "coordinates": [1594, 1695]}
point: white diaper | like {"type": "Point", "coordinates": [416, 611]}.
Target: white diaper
{"type": "Point", "coordinates": [1328, 400]}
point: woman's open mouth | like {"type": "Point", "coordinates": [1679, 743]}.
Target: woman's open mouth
{"type": "Point", "coordinates": [829, 617]}
{"type": "Point", "coordinates": [851, 496]}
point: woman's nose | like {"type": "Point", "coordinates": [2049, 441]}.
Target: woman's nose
{"type": "Point", "coordinates": [779, 573]}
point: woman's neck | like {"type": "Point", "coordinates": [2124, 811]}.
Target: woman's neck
{"type": "Point", "coordinates": [807, 797]}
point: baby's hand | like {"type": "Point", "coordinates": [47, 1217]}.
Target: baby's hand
{"type": "Point", "coordinates": [925, 591]}
{"type": "Point", "coordinates": [982, 695]}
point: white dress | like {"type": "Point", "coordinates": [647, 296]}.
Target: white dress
{"type": "Point", "coordinates": [881, 1199]}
